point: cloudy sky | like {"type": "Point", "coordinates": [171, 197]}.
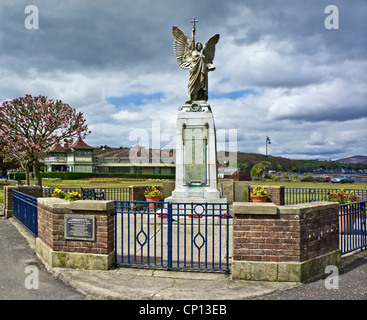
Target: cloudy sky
{"type": "Point", "coordinates": [279, 71]}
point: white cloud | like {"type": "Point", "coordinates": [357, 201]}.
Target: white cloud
{"type": "Point", "coordinates": [307, 84]}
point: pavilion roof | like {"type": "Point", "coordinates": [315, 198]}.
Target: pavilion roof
{"type": "Point", "coordinates": [80, 144]}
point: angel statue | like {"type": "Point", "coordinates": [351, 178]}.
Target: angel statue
{"type": "Point", "coordinates": [197, 59]}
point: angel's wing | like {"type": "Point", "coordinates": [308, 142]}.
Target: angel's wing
{"type": "Point", "coordinates": [209, 48]}
{"type": "Point", "coordinates": [181, 47]}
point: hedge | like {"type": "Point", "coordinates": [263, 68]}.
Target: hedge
{"type": "Point", "coordinates": [88, 175]}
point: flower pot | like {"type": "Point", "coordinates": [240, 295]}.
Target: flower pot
{"type": "Point", "coordinates": [153, 198]}
{"type": "Point", "coordinates": [261, 198]}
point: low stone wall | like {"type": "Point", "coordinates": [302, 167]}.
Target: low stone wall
{"type": "Point", "coordinates": [34, 191]}
{"type": "Point", "coordinates": [234, 191]}
{"type": "Point", "coordinates": [137, 193]}
{"type": "Point", "coordinates": [275, 194]}
{"type": "Point", "coordinates": [58, 250]}
{"type": "Point", "coordinates": [270, 242]}
{"type": "Point", "coordinates": [284, 243]}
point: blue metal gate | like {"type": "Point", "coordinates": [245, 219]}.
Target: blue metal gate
{"type": "Point", "coordinates": [352, 226]}
{"type": "Point", "coordinates": [25, 211]}
{"type": "Point", "coordinates": [173, 236]}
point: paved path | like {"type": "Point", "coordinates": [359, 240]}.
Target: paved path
{"type": "Point", "coordinates": [351, 284]}
{"type": "Point", "coordinates": [137, 284]}
{"type": "Point", "coordinates": [19, 267]}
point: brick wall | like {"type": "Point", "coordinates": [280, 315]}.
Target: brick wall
{"type": "Point", "coordinates": [286, 236]}
{"type": "Point", "coordinates": [34, 191]}
{"type": "Point", "coordinates": [51, 228]}
{"type": "Point", "coordinates": [266, 233]}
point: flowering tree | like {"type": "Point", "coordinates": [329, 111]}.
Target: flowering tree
{"type": "Point", "coordinates": [33, 126]}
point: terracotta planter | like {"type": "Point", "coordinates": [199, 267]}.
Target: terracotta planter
{"type": "Point", "coordinates": [153, 198]}
{"type": "Point", "coordinates": [262, 198]}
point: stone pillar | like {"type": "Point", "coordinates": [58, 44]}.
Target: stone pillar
{"type": "Point", "coordinates": [77, 234]}
{"type": "Point", "coordinates": [284, 243]}
{"type": "Point", "coordinates": [196, 156]}
{"type": "Point", "coordinates": [241, 191]}
{"type": "Point", "coordinates": [34, 191]}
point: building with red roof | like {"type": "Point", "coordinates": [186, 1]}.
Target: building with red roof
{"type": "Point", "coordinates": [138, 160]}
{"type": "Point", "coordinates": [77, 158]}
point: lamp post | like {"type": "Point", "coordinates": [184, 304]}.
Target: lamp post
{"type": "Point", "coordinates": [266, 148]}
{"type": "Point", "coordinates": [267, 141]}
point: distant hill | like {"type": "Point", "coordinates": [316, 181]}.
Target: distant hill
{"type": "Point", "coordinates": [245, 161]}
{"type": "Point", "coordinates": [354, 160]}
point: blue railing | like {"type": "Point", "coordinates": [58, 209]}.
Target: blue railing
{"type": "Point", "coordinates": [302, 195]}
{"type": "Point", "coordinates": [352, 226]}
{"type": "Point", "coordinates": [25, 211]}
{"type": "Point", "coordinates": [178, 236]}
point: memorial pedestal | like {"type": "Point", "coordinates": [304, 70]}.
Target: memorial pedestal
{"type": "Point", "coordinates": [196, 156]}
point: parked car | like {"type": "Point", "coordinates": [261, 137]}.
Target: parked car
{"type": "Point", "coordinates": [326, 178]}
{"type": "Point", "coordinates": [343, 179]}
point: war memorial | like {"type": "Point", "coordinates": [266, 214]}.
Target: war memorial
{"type": "Point", "coordinates": [196, 153]}
{"type": "Point", "coordinates": [263, 241]}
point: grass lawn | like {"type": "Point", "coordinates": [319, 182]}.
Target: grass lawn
{"type": "Point", "coordinates": [105, 184]}
{"type": "Point", "coordinates": [126, 183]}
{"type": "Point", "coordinates": [323, 185]}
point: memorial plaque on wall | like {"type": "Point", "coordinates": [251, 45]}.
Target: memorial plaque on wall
{"type": "Point", "coordinates": [80, 227]}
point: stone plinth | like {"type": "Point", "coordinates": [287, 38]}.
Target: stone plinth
{"type": "Point", "coordinates": [196, 158]}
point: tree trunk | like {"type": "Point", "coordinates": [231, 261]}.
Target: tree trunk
{"type": "Point", "coordinates": [25, 166]}
{"type": "Point", "coordinates": [37, 174]}
{"type": "Point", "coordinates": [28, 180]}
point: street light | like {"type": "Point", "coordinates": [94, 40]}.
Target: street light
{"type": "Point", "coordinates": [266, 156]}
{"type": "Point", "coordinates": [266, 148]}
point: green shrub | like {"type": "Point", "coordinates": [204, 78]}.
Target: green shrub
{"type": "Point", "coordinates": [309, 178]}
{"type": "Point", "coordinates": [17, 176]}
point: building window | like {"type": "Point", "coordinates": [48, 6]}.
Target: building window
{"type": "Point", "coordinates": [137, 170]}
